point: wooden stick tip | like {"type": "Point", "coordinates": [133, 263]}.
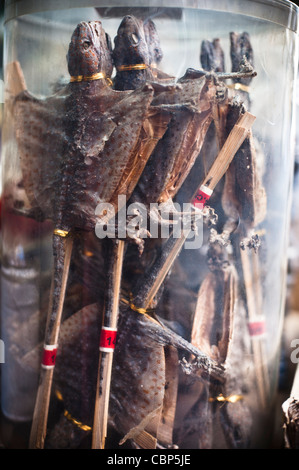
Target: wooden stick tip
{"type": "Point", "coordinates": [246, 120]}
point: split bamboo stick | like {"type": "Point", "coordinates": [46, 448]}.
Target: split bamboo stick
{"type": "Point", "coordinates": [62, 248]}
{"type": "Point", "coordinates": [107, 343]}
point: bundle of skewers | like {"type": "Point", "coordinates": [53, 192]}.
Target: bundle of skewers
{"type": "Point", "coordinates": [158, 344]}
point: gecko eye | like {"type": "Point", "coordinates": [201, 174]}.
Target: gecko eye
{"type": "Point", "coordinates": [134, 38]}
{"type": "Point", "coordinates": [86, 44]}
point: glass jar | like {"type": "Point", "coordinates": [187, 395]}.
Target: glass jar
{"type": "Point", "coordinates": [147, 161]}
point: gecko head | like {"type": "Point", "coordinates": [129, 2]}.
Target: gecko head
{"type": "Point", "coordinates": [130, 43]}
{"type": "Point", "coordinates": [89, 50]}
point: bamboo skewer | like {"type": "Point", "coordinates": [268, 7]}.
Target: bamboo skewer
{"type": "Point", "coordinates": [63, 251]}
{"type": "Point", "coordinates": [250, 266]}
{"type": "Point", "coordinates": [110, 321]}
{"type": "Point", "coordinates": [253, 298]}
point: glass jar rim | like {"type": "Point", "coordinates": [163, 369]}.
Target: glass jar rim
{"type": "Point", "coordinates": [282, 12]}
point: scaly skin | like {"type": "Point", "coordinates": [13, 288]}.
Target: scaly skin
{"type": "Point", "coordinates": [73, 155]}
{"type": "Point", "coordinates": [72, 149]}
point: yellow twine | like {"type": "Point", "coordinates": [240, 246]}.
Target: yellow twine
{"type": "Point", "coordinates": [86, 78]}
{"type": "Point", "coordinates": [240, 86]}
{"type": "Point", "coordinates": [68, 416]}
{"type": "Point", "coordinates": [123, 68]}
{"type": "Point", "coordinates": [229, 399]}
{"type": "Point", "coordinates": [141, 310]}
{"type": "Point", "coordinates": [61, 233]}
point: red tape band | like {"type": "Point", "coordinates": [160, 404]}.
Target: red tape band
{"type": "Point", "coordinates": [257, 328]}
{"type": "Point", "coordinates": [49, 356]}
{"type": "Point", "coordinates": [108, 339]}
{"type": "Point", "coordinates": [202, 196]}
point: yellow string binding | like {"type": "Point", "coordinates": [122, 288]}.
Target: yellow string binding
{"type": "Point", "coordinates": [61, 233]}
{"type": "Point", "coordinates": [86, 78]}
{"type": "Point", "coordinates": [123, 68]}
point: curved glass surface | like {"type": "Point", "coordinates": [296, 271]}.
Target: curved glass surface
{"type": "Point", "coordinates": [281, 12]}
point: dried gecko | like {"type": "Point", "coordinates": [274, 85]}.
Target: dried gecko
{"type": "Point", "coordinates": [84, 156]}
